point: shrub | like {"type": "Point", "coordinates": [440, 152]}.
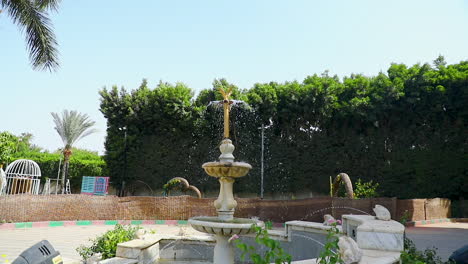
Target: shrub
{"type": "Point", "coordinates": [106, 244]}
{"type": "Point", "coordinates": [330, 253]}
{"type": "Point", "coordinates": [274, 252]}
{"type": "Point", "coordinates": [82, 163]}
{"type": "Point", "coordinates": [411, 255]}
{"type": "Point", "coordinates": [365, 189]}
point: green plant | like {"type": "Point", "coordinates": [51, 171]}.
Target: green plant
{"type": "Point", "coordinates": [330, 253]}
{"type": "Point", "coordinates": [170, 185]}
{"type": "Point", "coordinates": [106, 244]}
{"type": "Point", "coordinates": [404, 218]}
{"type": "Point", "coordinates": [365, 189]}
{"type": "Point", "coordinates": [82, 163]}
{"type": "Point", "coordinates": [410, 255]}
{"type": "Point", "coordinates": [32, 17]}
{"type": "Point", "coordinates": [8, 143]}
{"type": "Point", "coordinates": [274, 252]}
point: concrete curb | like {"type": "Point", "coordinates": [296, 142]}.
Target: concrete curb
{"type": "Point", "coordinates": [436, 221]}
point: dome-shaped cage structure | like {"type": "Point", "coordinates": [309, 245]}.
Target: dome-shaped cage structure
{"type": "Point", "coordinates": [22, 176]}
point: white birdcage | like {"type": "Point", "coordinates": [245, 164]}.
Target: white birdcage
{"type": "Point", "coordinates": [22, 176]}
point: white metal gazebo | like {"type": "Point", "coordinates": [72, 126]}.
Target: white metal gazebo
{"type": "Point", "coordinates": [22, 176]}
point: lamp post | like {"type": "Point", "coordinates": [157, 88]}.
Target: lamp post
{"type": "Point", "coordinates": [122, 183]}
{"type": "Point", "coordinates": [261, 161]}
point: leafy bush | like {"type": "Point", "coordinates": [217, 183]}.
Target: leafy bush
{"type": "Point", "coordinates": [106, 244]}
{"type": "Point", "coordinates": [411, 255]}
{"type": "Point", "coordinates": [274, 252]}
{"type": "Point", "coordinates": [365, 189]}
{"type": "Point", "coordinates": [8, 143]}
{"type": "Point", "coordinates": [330, 253]}
{"type": "Point", "coordinates": [170, 185]}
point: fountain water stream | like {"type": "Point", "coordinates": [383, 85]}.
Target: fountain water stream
{"type": "Point", "coordinates": [226, 170]}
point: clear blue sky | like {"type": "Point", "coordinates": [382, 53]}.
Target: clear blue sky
{"type": "Point", "coordinates": [105, 43]}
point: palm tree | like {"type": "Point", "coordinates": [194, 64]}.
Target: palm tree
{"type": "Point", "coordinates": [71, 126]}
{"type": "Point", "coordinates": [32, 18]}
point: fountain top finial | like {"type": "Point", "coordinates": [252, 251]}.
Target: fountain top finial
{"type": "Point", "coordinates": [226, 94]}
{"type": "Point", "coordinates": [226, 102]}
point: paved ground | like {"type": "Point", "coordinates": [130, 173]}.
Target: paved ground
{"type": "Point", "coordinates": [63, 239]}
{"type": "Point", "coordinates": [446, 237]}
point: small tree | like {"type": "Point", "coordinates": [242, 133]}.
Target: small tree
{"type": "Point", "coordinates": [71, 126]}
{"type": "Point", "coordinates": [8, 144]}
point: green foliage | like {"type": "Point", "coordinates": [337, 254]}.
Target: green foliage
{"type": "Point", "coordinates": [170, 185]}
{"type": "Point", "coordinates": [32, 18]}
{"type": "Point", "coordinates": [404, 128]}
{"type": "Point", "coordinates": [8, 143]}
{"type": "Point", "coordinates": [410, 255]}
{"type": "Point", "coordinates": [82, 163]}
{"type": "Point", "coordinates": [365, 189]}
{"type": "Point", "coordinates": [330, 253]}
{"type": "Point", "coordinates": [106, 244]}
{"type": "Point", "coordinates": [273, 254]}
{"type": "Point", "coordinates": [404, 218]}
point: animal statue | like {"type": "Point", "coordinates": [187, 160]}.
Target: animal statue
{"type": "Point", "coordinates": [382, 213]}
{"type": "Point", "coordinates": [140, 233]}
{"type": "Point", "coordinates": [342, 178]}
{"type": "Point", "coordinates": [349, 250]}
{"type": "Point", "coordinates": [187, 186]}
{"type": "Point", "coordinates": [2, 181]}
{"type": "Point", "coordinates": [328, 219]}
{"type": "Point", "coordinates": [94, 259]}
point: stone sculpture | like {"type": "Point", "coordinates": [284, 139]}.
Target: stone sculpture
{"type": "Point", "coordinates": [328, 219]}
{"type": "Point", "coordinates": [140, 234]}
{"type": "Point", "coordinates": [382, 213]}
{"type": "Point", "coordinates": [342, 178]}
{"type": "Point", "coordinates": [349, 250]}
{"type": "Point", "coordinates": [94, 259]}
{"type": "Point", "coordinates": [2, 180]}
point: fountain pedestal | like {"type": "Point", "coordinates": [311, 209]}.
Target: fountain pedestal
{"type": "Point", "coordinates": [225, 225]}
{"type": "Point", "coordinates": [223, 250]}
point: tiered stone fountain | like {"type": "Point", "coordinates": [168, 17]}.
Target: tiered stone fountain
{"type": "Point", "coordinates": [226, 170]}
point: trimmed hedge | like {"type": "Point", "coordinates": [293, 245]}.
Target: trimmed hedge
{"type": "Point", "coordinates": [81, 164]}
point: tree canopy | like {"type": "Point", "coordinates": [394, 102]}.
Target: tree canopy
{"type": "Point", "coordinates": [404, 129]}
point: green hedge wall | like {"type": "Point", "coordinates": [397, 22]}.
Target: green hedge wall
{"type": "Point", "coordinates": [80, 165]}
{"type": "Point", "coordinates": [405, 129]}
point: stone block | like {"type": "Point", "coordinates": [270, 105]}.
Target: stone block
{"type": "Point", "coordinates": [133, 248]}
{"type": "Point", "coordinates": [118, 260]}
{"type": "Point", "coordinates": [149, 255]}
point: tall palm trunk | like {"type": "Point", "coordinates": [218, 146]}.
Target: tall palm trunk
{"type": "Point", "coordinates": [66, 161]}
{"type": "Point", "coordinates": [71, 127]}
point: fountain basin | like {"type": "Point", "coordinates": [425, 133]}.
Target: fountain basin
{"type": "Point", "coordinates": [226, 169]}
{"type": "Point", "coordinates": [216, 226]}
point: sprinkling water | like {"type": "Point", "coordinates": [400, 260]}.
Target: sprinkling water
{"type": "Point", "coordinates": [332, 207]}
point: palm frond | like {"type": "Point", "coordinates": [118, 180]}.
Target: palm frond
{"type": "Point", "coordinates": [48, 4]}
{"type": "Point", "coordinates": [72, 126]}
{"type": "Point", "coordinates": [31, 17]}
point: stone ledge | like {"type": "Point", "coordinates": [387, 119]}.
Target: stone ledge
{"type": "Point", "coordinates": [312, 227]}
{"type": "Point", "coordinates": [134, 249]}
{"type": "Point", "coordinates": [118, 260]}
{"type": "Point", "coordinates": [369, 257]}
